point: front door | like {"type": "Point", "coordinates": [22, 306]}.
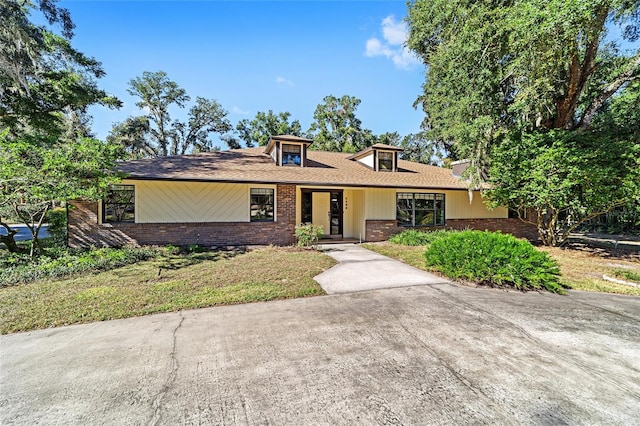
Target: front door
{"type": "Point", "coordinates": [320, 202]}
{"type": "Point", "coordinates": [323, 208]}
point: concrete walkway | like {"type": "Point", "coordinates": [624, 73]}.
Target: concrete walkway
{"type": "Point", "coordinates": [361, 269]}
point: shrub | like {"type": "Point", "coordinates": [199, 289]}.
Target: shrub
{"type": "Point", "coordinates": [18, 269]}
{"type": "Point", "coordinates": [57, 220]}
{"type": "Point", "coordinates": [494, 259]}
{"type": "Point", "coordinates": [308, 234]}
{"type": "Point", "coordinates": [411, 237]}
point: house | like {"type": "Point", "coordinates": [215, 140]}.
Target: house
{"type": "Point", "coordinates": [259, 195]}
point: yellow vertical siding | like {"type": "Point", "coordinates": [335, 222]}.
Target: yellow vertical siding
{"type": "Point", "coordinates": [458, 207]}
{"type": "Point", "coordinates": [356, 205]}
{"type": "Point", "coordinates": [170, 202]}
{"type": "Point", "coordinates": [380, 203]}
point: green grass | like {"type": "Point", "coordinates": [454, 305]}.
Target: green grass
{"type": "Point", "coordinates": [169, 283]}
{"type": "Point", "coordinates": [581, 269]}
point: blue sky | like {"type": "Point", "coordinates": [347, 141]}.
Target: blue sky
{"type": "Point", "coordinates": [256, 56]}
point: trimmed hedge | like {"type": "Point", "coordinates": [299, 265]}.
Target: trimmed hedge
{"type": "Point", "coordinates": [494, 259]}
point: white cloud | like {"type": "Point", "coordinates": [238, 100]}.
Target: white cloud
{"type": "Point", "coordinates": [394, 34]}
{"type": "Point", "coordinates": [281, 81]}
{"type": "Point", "coordinates": [237, 110]}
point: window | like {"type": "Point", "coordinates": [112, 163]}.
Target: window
{"type": "Point", "coordinates": [385, 161]}
{"type": "Point", "coordinates": [119, 204]}
{"type": "Point", "coordinates": [291, 155]}
{"type": "Point", "coordinates": [262, 202]}
{"type": "Point", "coordinates": [419, 209]}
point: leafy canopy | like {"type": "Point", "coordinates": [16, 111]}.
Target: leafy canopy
{"type": "Point", "coordinates": [265, 125]}
{"type": "Point", "coordinates": [565, 177]}
{"type": "Point", "coordinates": [336, 126]}
{"type": "Point", "coordinates": [156, 134]}
{"type": "Point", "coordinates": [498, 66]}
{"type": "Point", "coordinates": [42, 76]}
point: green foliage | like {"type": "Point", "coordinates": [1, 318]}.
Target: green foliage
{"type": "Point", "coordinates": [496, 67]}
{"type": "Point", "coordinates": [265, 125]}
{"type": "Point", "coordinates": [36, 170]}
{"type": "Point", "coordinates": [336, 127]}
{"type": "Point", "coordinates": [494, 259]}
{"type": "Point", "coordinates": [566, 177]}
{"type": "Point", "coordinates": [157, 134]}
{"type": "Point", "coordinates": [18, 268]}
{"type": "Point", "coordinates": [57, 220]}
{"type": "Point", "coordinates": [627, 275]}
{"type": "Point", "coordinates": [412, 237]}
{"type": "Point", "coordinates": [42, 77]}
{"type": "Point", "coordinates": [418, 148]}
{"type": "Point", "coordinates": [308, 234]}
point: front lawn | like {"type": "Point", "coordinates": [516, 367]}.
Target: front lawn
{"type": "Point", "coordinates": [581, 267]}
{"type": "Point", "coordinates": [169, 283]}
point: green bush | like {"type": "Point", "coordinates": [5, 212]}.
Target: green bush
{"type": "Point", "coordinates": [308, 234]}
{"type": "Point", "coordinates": [494, 259]}
{"type": "Point", "coordinates": [19, 268]}
{"type": "Point", "coordinates": [57, 220]}
{"type": "Point", "coordinates": [412, 237]}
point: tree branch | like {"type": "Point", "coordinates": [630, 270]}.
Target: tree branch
{"type": "Point", "coordinates": [631, 73]}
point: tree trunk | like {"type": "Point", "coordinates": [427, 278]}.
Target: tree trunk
{"type": "Point", "coordinates": [9, 239]}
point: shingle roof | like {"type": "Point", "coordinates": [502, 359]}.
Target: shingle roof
{"type": "Point", "coordinates": [323, 168]}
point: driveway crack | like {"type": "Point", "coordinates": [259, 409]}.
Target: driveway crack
{"type": "Point", "coordinates": [173, 373]}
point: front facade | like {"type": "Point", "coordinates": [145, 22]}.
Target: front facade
{"type": "Point", "coordinates": [258, 196]}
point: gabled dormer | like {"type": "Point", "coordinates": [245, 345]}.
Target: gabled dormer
{"type": "Point", "coordinates": [379, 157]}
{"type": "Point", "coordinates": [288, 150]}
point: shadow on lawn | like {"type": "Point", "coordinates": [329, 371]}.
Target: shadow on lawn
{"type": "Point", "coordinates": [181, 258]}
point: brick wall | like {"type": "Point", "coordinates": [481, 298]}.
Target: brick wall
{"type": "Point", "coordinates": [380, 230]}
{"type": "Point", "coordinates": [85, 231]}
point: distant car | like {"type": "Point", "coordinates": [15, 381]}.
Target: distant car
{"type": "Point", "coordinates": [24, 233]}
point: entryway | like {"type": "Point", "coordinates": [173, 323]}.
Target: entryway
{"type": "Point", "coordinates": [324, 208]}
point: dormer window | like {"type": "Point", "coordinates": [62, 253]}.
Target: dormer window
{"type": "Point", "coordinates": [288, 150]}
{"type": "Point", "coordinates": [379, 157]}
{"type": "Point", "coordinates": [291, 155]}
{"type": "Point", "coordinates": [385, 161]}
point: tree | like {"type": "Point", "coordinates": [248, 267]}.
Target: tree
{"type": "Point", "coordinates": [565, 177]}
{"type": "Point", "coordinates": [496, 66]}
{"type": "Point", "coordinates": [36, 170]}
{"type": "Point", "coordinates": [156, 134]}
{"type": "Point", "coordinates": [421, 150]}
{"type": "Point", "coordinates": [42, 76]}
{"type": "Point", "coordinates": [265, 125]}
{"type": "Point", "coordinates": [336, 127]}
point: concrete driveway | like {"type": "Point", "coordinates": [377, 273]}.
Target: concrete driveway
{"type": "Point", "coordinates": [361, 269]}
{"type": "Point", "coordinates": [436, 354]}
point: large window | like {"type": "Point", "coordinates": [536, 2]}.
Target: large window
{"type": "Point", "coordinates": [262, 204]}
{"type": "Point", "coordinates": [419, 209]}
{"type": "Point", "coordinates": [385, 161]}
{"type": "Point", "coordinates": [119, 204]}
{"type": "Point", "coordinates": [291, 155]}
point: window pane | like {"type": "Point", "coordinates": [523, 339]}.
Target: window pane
{"type": "Point", "coordinates": [291, 155]}
{"type": "Point", "coordinates": [424, 217]}
{"type": "Point", "coordinates": [420, 209]}
{"type": "Point", "coordinates": [119, 204]}
{"type": "Point", "coordinates": [262, 202]}
{"type": "Point", "coordinates": [385, 161]}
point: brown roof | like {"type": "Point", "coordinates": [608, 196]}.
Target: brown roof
{"type": "Point", "coordinates": [322, 168]}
